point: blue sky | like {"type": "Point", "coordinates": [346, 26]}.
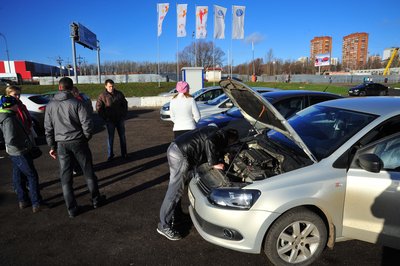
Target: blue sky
{"type": "Point", "coordinates": [127, 30]}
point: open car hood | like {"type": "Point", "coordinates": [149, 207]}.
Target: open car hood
{"type": "Point", "coordinates": [260, 113]}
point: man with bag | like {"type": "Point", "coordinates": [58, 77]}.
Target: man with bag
{"type": "Point", "coordinates": [19, 146]}
{"type": "Point", "coordinates": [69, 128]}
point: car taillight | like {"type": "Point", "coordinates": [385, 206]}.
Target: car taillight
{"type": "Point", "coordinates": [42, 108]}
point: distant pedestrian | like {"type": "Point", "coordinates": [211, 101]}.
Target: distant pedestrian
{"type": "Point", "coordinates": [112, 106]}
{"type": "Point", "coordinates": [18, 146]}
{"type": "Point", "coordinates": [203, 145]}
{"type": "Point", "coordinates": [184, 111]}
{"type": "Point", "coordinates": [69, 128]}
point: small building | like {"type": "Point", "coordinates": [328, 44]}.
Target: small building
{"type": "Point", "coordinates": [213, 74]}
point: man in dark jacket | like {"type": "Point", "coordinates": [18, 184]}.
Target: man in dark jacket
{"type": "Point", "coordinates": [203, 145]}
{"type": "Point", "coordinates": [69, 127]}
{"type": "Point", "coordinates": [112, 106]}
{"type": "Point", "coordinates": [18, 145]}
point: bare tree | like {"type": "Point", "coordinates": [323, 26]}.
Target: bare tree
{"type": "Point", "coordinates": [201, 54]}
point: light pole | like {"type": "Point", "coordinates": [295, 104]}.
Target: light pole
{"type": "Point", "coordinates": [8, 56]}
{"type": "Point", "coordinates": [59, 61]}
{"type": "Point", "coordinates": [252, 47]}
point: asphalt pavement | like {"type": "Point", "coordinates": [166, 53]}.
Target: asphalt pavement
{"type": "Point", "coordinates": [122, 232]}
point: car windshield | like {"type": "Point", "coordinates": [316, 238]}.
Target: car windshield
{"type": "Point", "coordinates": [217, 100]}
{"type": "Point", "coordinates": [323, 129]}
{"type": "Point", "coordinates": [197, 93]}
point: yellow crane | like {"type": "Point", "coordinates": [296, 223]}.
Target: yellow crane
{"type": "Point", "coordinates": [395, 50]}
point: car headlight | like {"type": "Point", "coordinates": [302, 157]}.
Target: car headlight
{"type": "Point", "coordinates": [165, 108]}
{"type": "Point", "coordinates": [235, 198]}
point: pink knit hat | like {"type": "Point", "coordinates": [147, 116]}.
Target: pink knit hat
{"type": "Point", "coordinates": [182, 87]}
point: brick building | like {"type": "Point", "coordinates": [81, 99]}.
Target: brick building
{"type": "Point", "coordinates": [355, 51]}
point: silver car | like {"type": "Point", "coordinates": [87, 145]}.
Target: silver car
{"type": "Point", "coordinates": [329, 173]}
{"type": "Point", "coordinates": [201, 95]}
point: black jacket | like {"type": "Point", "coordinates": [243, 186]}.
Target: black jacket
{"type": "Point", "coordinates": [203, 145]}
{"type": "Point", "coordinates": [112, 107]}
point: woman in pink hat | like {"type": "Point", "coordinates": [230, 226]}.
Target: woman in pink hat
{"type": "Point", "coordinates": [184, 111]}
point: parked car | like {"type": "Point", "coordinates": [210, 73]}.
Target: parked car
{"type": "Point", "coordinates": [329, 173]}
{"type": "Point", "coordinates": [223, 103]}
{"type": "Point", "coordinates": [201, 95]}
{"type": "Point", "coordinates": [369, 89]}
{"type": "Point", "coordinates": [171, 92]}
{"type": "Point", "coordinates": [287, 102]}
{"type": "Point", "coordinates": [36, 105]}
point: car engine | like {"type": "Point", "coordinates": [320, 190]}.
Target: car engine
{"type": "Point", "coordinates": [246, 163]}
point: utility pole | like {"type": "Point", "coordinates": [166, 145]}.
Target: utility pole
{"type": "Point", "coordinates": [79, 60]}
{"type": "Point", "coordinates": [59, 60]}
{"type": "Point", "coordinates": [8, 56]}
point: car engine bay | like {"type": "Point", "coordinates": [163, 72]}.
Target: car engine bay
{"type": "Point", "coordinates": [249, 162]}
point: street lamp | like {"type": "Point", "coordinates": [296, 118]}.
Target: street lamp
{"type": "Point", "coordinates": [8, 56]}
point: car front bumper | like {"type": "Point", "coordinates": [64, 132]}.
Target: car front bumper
{"type": "Point", "coordinates": [240, 230]}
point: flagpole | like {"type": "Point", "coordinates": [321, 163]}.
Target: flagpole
{"type": "Point", "coordinates": [213, 62]}
{"type": "Point", "coordinates": [195, 39]}
{"type": "Point", "coordinates": [177, 46]}
{"type": "Point", "coordinates": [231, 44]}
{"type": "Point", "coordinates": [158, 51]}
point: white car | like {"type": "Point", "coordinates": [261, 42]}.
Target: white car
{"type": "Point", "coordinates": [329, 173]}
{"type": "Point", "coordinates": [223, 103]}
{"type": "Point", "coordinates": [36, 105]}
{"type": "Point", "coordinates": [200, 96]}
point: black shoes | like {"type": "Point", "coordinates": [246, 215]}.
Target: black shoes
{"type": "Point", "coordinates": [110, 158]}
{"type": "Point", "coordinates": [99, 201]}
{"type": "Point", "coordinates": [74, 212]}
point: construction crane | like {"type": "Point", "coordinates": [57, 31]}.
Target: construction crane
{"type": "Point", "coordinates": [395, 50]}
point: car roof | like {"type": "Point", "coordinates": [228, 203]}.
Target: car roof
{"type": "Point", "coordinates": [380, 105]}
{"type": "Point", "coordinates": [291, 93]}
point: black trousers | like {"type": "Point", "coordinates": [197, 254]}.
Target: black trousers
{"type": "Point", "coordinates": [79, 150]}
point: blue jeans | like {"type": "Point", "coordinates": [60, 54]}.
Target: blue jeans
{"type": "Point", "coordinates": [178, 168]}
{"type": "Point", "coordinates": [79, 150]}
{"type": "Point", "coordinates": [23, 167]}
{"type": "Point", "coordinates": [120, 126]}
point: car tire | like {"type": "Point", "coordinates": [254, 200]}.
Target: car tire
{"type": "Point", "coordinates": [298, 237]}
{"type": "Point", "coordinates": [362, 93]}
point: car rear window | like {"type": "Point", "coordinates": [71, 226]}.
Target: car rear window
{"type": "Point", "coordinates": [39, 99]}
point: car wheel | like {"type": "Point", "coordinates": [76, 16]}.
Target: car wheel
{"type": "Point", "coordinates": [298, 237]}
{"type": "Point", "coordinates": [362, 93]}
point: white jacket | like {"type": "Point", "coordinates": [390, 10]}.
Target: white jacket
{"type": "Point", "coordinates": [184, 112]}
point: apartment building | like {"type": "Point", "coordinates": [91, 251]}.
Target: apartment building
{"type": "Point", "coordinates": [320, 45]}
{"type": "Point", "coordinates": [355, 51]}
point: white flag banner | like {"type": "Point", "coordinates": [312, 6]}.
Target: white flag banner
{"type": "Point", "coordinates": [238, 22]}
{"type": "Point", "coordinates": [201, 22]}
{"type": "Point", "coordinates": [219, 22]}
{"type": "Point", "coordinates": [162, 10]}
{"type": "Point", "coordinates": [181, 10]}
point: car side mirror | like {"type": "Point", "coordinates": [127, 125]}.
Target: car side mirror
{"type": "Point", "coordinates": [229, 105]}
{"type": "Point", "coordinates": [370, 162]}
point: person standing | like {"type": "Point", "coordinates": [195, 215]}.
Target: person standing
{"type": "Point", "coordinates": [202, 145]}
{"type": "Point", "coordinates": [18, 146]}
{"type": "Point", "coordinates": [184, 111]}
{"type": "Point", "coordinates": [68, 129]}
{"type": "Point", "coordinates": [25, 118]}
{"type": "Point", "coordinates": [112, 106]}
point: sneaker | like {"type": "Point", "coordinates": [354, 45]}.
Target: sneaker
{"type": "Point", "coordinates": [110, 158]}
{"type": "Point", "coordinates": [36, 209]}
{"type": "Point", "coordinates": [169, 233]}
{"type": "Point", "coordinates": [100, 201]}
{"type": "Point", "coordinates": [22, 205]}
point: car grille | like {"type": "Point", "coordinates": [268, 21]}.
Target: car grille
{"type": "Point", "coordinates": [165, 116]}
